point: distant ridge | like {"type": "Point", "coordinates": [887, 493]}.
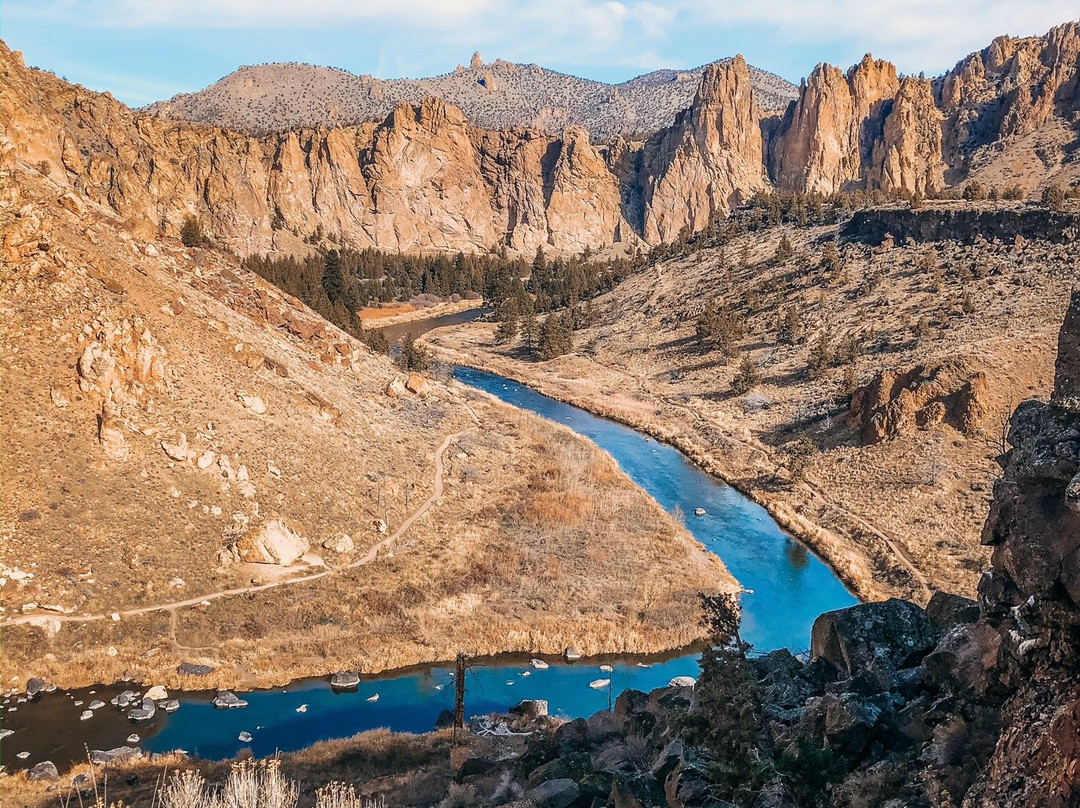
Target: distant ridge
{"type": "Point", "coordinates": [277, 97]}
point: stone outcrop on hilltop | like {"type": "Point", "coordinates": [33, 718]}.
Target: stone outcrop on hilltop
{"type": "Point", "coordinates": [867, 128]}
{"type": "Point", "coordinates": [708, 161]}
{"type": "Point", "coordinates": [907, 156]}
{"type": "Point", "coordinates": [1008, 89]}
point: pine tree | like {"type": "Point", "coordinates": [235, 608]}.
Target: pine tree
{"type": "Point", "coordinates": [746, 377]}
{"type": "Point", "coordinates": [333, 281]}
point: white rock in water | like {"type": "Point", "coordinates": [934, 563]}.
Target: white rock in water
{"type": "Point", "coordinates": [96, 704]}
{"type": "Point", "coordinates": [699, 511]}
{"type": "Point", "coordinates": [133, 738]}
{"type": "Point", "coordinates": [540, 665]}
{"type": "Point", "coordinates": [302, 708]}
{"type": "Point", "coordinates": [170, 705]}
{"type": "Point", "coordinates": [5, 732]}
{"type": "Point", "coordinates": [23, 755]}
{"type": "Point", "coordinates": [157, 693]}
{"type": "Point", "coordinates": [682, 681]}
{"type": "Point", "coordinates": [599, 684]}
{"type": "Point", "coordinates": [606, 669]}
{"type": "Point", "coordinates": [373, 698]}
{"type": "Point", "coordinates": [572, 654]}
{"type": "Point", "coordinates": [86, 715]}
{"type": "Point", "coordinates": [244, 737]}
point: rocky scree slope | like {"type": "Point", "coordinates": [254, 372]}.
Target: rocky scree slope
{"type": "Point", "coordinates": [173, 427]}
{"type": "Point", "coordinates": [257, 99]}
{"type": "Point", "coordinates": [426, 178]}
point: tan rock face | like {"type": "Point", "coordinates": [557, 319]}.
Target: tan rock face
{"type": "Point", "coordinates": [827, 137]}
{"type": "Point", "coordinates": [908, 155]}
{"type": "Point", "coordinates": [272, 543]}
{"type": "Point", "coordinates": [1010, 88]}
{"type": "Point", "coordinates": [709, 160]}
{"type": "Point", "coordinates": [920, 398]}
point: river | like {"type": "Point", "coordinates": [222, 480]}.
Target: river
{"type": "Point", "coordinates": [788, 587]}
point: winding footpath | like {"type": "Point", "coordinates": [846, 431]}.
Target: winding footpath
{"type": "Point", "coordinates": [367, 558]}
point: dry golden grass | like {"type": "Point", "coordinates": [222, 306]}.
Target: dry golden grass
{"type": "Point", "coordinates": [378, 766]}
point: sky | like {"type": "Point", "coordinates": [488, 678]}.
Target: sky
{"type": "Point", "coordinates": [146, 50]}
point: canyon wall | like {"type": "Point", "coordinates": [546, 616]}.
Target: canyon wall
{"type": "Point", "coordinates": [426, 179]}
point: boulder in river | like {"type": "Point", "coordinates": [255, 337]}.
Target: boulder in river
{"type": "Point", "coordinates": [34, 686]}
{"type": "Point", "coordinates": [572, 654]}
{"type": "Point", "coordinates": [86, 715]}
{"type": "Point", "coordinates": [682, 681]}
{"type": "Point", "coordinates": [46, 770]}
{"type": "Point", "coordinates": [227, 700]}
{"type": "Point", "coordinates": [343, 680]}
{"type": "Point", "coordinates": [169, 706]}
{"type": "Point", "coordinates": [157, 693]}
{"type": "Point", "coordinates": [96, 704]}
{"type": "Point", "coordinates": [126, 699]}
{"type": "Point", "coordinates": [530, 709]}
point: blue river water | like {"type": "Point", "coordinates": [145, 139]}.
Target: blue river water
{"type": "Point", "coordinates": [788, 587]}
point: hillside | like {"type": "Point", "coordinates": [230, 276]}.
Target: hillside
{"type": "Point", "coordinates": [197, 467]}
{"type": "Point", "coordinates": [884, 375]}
{"type": "Point", "coordinates": [257, 99]}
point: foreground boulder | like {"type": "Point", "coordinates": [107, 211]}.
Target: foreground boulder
{"type": "Point", "coordinates": [272, 543]}
{"type": "Point", "coordinates": [873, 637]}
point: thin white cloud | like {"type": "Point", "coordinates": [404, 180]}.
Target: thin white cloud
{"type": "Point", "coordinates": [602, 35]}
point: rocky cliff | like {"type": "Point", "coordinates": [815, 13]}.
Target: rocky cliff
{"type": "Point", "coordinates": [426, 178]}
{"type": "Point", "coordinates": [866, 128]}
{"type": "Point", "coordinates": [709, 160]}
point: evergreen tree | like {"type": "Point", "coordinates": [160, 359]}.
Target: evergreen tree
{"type": "Point", "coordinates": [556, 336]}
{"type": "Point", "coordinates": [746, 377]}
{"type": "Point", "coordinates": [725, 722]}
{"type": "Point", "coordinates": [333, 281]}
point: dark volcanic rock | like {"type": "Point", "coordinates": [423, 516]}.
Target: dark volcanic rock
{"type": "Point", "coordinates": [946, 610]}
{"type": "Point", "coordinates": [1067, 367]}
{"type": "Point", "coordinates": [876, 638]}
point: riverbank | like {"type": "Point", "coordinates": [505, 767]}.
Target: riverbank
{"type": "Point", "coordinates": [942, 340]}
{"type": "Point", "coordinates": [406, 313]}
{"type": "Point", "coordinates": [183, 411]}
{"type": "Point", "coordinates": [732, 456]}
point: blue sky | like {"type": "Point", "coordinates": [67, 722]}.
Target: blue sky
{"type": "Point", "coordinates": [145, 50]}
